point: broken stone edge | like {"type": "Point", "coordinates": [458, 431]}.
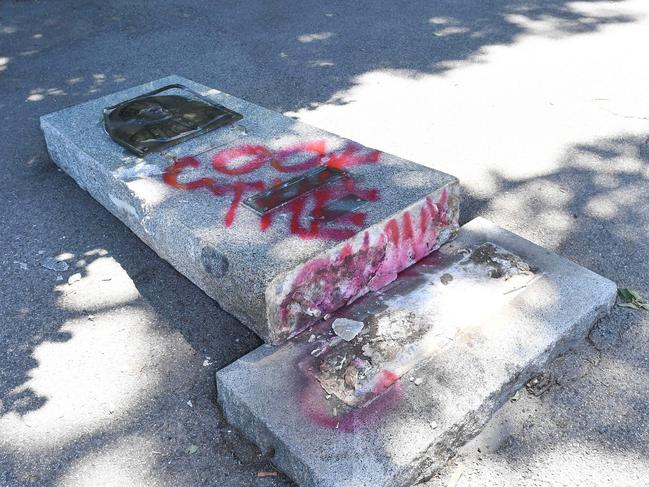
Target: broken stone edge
{"type": "Point", "coordinates": [289, 318]}
{"type": "Point", "coordinates": [252, 417]}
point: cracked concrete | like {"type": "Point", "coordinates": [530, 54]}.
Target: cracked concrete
{"type": "Point", "coordinates": [425, 363]}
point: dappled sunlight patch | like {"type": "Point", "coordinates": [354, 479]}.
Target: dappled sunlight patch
{"type": "Point", "coordinates": [39, 94]}
{"type": "Point", "coordinates": [606, 181]}
{"type": "Point", "coordinates": [130, 460]}
{"type": "Point", "coordinates": [535, 196]}
{"type": "Point", "coordinates": [496, 105]}
{"type": "Point", "coordinates": [150, 191]}
{"type": "Point", "coordinates": [554, 220]}
{"type": "Point", "coordinates": [75, 86]}
{"type": "Point", "coordinates": [599, 192]}
{"type": "Point", "coordinates": [451, 30]}
{"type": "Point", "coordinates": [612, 156]}
{"type": "Point", "coordinates": [28, 52]}
{"type": "Point", "coordinates": [74, 81]}
{"type": "Point", "coordinates": [95, 377]}
{"type": "Point", "coordinates": [549, 25]}
{"type": "Point", "coordinates": [321, 63]}
{"type": "Point", "coordinates": [441, 20]}
{"type": "Point", "coordinates": [317, 36]}
{"type": "Point", "coordinates": [608, 205]}
{"type": "Point", "coordinates": [103, 285]}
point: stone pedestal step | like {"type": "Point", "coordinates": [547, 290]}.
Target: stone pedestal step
{"type": "Point", "coordinates": [278, 221]}
{"type": "Point", "coordinates": [383, 391]}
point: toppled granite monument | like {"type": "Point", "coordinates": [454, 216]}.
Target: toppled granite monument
{"type": "Point", "coordinates": [394, 342]}
{"type": "Point", "coordinates": [278, 221]}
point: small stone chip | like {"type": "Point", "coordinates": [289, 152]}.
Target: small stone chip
{"type": "Point", "coordinates": [418, 381]}
{"type": "Point", "coordinates": [446, 278]}
{"type": "Point", "coordinates": [347, 329]}
{"type": "Point", "coordinates": [266, 474]}
{"type": "Point", "coordinates": [74, 278]}
{"type": "Point", "coordinates": [54, 265]}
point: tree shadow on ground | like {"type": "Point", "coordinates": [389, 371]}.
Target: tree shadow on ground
{"type": "Point", "coordinates": [599, 196]}
{"type": "Point", "coordinates": [184, 338]}
{"type": "Point", "coordinates": [287, 56]}
{"type": "Point", "coordinates": [592, 209]}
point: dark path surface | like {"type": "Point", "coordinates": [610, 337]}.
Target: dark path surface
{"type": "Point", "coordinates": [539, 107]}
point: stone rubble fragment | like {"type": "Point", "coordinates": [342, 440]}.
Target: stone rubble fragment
{"type": "Point", "coordinates": [54, 265]}
{"type": "Point", "coordinates": [74, 278]}
{"type": "Point", "coordinates": [347, 329]}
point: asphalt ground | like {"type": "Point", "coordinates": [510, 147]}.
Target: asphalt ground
{"type": "Point", "coordinates": [539, 107]}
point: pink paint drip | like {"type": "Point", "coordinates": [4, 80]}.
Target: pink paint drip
{"type": "Point", "coordinates": [328, 283]}
{"type": "Point", "coordinates": [410, 242]}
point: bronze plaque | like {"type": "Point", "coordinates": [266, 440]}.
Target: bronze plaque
{"type": "Point", "coordinates": [163, 118]}
{"type": "Point", "coordinates": [280, 194]}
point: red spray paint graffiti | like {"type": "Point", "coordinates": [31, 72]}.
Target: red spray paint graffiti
{"type": "Point", "coordinates": [304, 211]}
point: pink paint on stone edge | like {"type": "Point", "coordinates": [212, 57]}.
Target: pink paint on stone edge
{"type": "Point", "coordinates": [366, 262]}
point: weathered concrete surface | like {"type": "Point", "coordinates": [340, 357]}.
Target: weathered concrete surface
{"type": "Point", "coordinates": [277, 273]}
{"type": "Point", "coordinates": [441, 349]}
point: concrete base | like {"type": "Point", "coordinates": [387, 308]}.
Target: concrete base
{"type": "Point", "coordinates": [280, 272]}
{"type": "Point", "coordinates": [439, 350]}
